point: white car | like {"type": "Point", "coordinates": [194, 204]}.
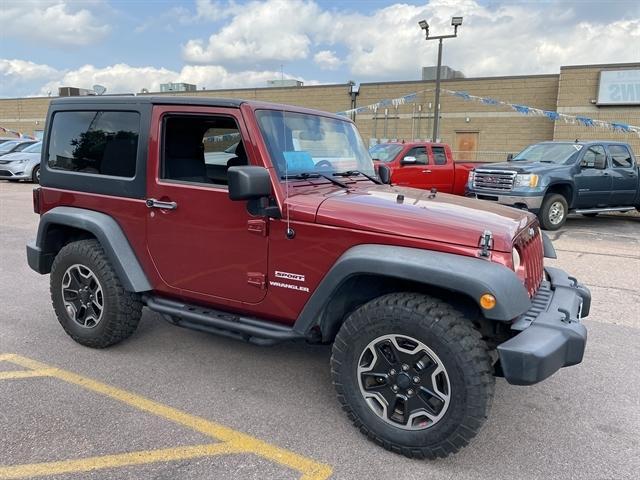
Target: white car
{"type": "Point", "coordinates": [24, 165]}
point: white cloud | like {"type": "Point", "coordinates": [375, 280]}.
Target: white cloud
{"type": "Point", "coordinates": [271, 31]}
{"type": "Point", "coordinates": [123, 78]}
{"type": "Point", "coordinates": [52, 21]}
{"type": "Point", "coordinates": [327, 60]}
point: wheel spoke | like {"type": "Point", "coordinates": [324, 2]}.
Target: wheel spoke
{"type": "Point", "coordinates": [397, 410]}
{"type": "Point", "coordinates": [431, 400]}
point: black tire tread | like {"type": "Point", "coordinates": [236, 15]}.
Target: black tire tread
{"type": "Point", "coordinates": [128, 304]}
{"type": "Point", "coordinates": [543, 215]}
{"type": "Point", "coordinates": [460, 335]}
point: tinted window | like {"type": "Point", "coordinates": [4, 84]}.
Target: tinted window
{"type": "Point", "coordinates": [620, 156]}
{"type": "Point", "coordinates": [96, 142]}
{"type": "Point", "coordinates": [420, 153]}
{"type": "Point", "coordinates": [201, 149]}
{"type": "Point", "coordinates": [593, 154]}
{"type": "Point", "coordinates": [439, 155]}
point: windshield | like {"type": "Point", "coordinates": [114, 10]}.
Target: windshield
{"type": "Point", "coordinates": [305, 143]}
{"type": "Point", "coordinates": [22, 146]}
{"type": "Point", "coordinates": [35, 148]}
{"type": "Point", "coordinates": [8, 146]}
{"type": "Point", "coordinates": [549, 153]}
{"type": "Point", "coordinates": [385, 152]}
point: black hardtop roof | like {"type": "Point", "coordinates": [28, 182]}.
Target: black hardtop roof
{"type": "Point", "coordinates": [182, 100]}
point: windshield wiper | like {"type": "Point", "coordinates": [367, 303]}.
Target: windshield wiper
{"type": "Point", "coordinates": [307, 175]}
{"type": "Point", "coordinates": [355, 173]}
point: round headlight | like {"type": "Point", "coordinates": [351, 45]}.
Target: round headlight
{"type": "Point", "coordinates": [516, 259]}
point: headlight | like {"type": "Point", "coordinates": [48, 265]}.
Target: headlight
{"type": "Point", "coordinates": [526, 180]}
{"type": "Point", "coordinates": [516, 259]}
{"type": "Point", "coordinates": [472, 175]}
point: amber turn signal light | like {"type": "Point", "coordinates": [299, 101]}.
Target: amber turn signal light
{"type": "Point", "coordinates": [487, 301]}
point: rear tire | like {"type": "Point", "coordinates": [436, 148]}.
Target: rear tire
{"type": "Point", "coordinates": [88, 298]}
{"type": "Point", "coordinates": [440, 401]}
{"type": "Point", "coordinates": [554, 211]}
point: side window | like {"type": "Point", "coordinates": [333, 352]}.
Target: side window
{"type": "Point", "coordinates": [201, 149]}
{"type": "Point", "coordinates": [439, 155]}
{"type": "Point", "coordinates": [620, 156]}
{"type": "Point", "coordinates": [592, 155]}
{"type": "Point", "coordinates": [99, 142]}
{"type": "Point", "coordinates": [420, 153]}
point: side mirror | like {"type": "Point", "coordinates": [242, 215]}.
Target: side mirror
{"type": "Point", "coordinates": [409, 161]}
{"type": "Point", "coordinates": [384, 173]}
{"type": "Point", "coordinates": [248, 182]}
{"type": "Point", "coordinates": [509, 157]}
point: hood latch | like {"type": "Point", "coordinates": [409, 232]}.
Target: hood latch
{"type": "Point", "coordinates": [486, 243]}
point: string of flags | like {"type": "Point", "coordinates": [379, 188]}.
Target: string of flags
{"type": "Point", "coordinates": [16, 133]}
{"type": "Point", "coordinates": [522, 109]}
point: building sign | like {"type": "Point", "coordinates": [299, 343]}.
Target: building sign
{"type": "Point", "coordinates": [619, 87]}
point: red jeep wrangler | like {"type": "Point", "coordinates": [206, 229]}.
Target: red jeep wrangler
{"type": "Point", "coordinates": [266, 223]}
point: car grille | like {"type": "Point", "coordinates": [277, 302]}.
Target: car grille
{"type": "Point", "coordinates": [500, 180]}
{"type": "Point", "coordinates": [529, 245]}
{"type": "Point", "coordinates": [5, 173]}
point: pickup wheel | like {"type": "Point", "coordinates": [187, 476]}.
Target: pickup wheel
{"type": "Point", "coordinates": [88, 298]}
{"type": "Point", "coordinates": [413, 375]}
{"type": "Point", "coordinates": [553, 212]}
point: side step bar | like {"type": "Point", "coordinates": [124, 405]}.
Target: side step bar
{"type": "Point", "coordinates": [248, 329]}
{"type": "Point", "coordinates": [603, 210]}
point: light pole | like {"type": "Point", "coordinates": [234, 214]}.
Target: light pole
{"type": "Point", "coordinates": [456, 22]}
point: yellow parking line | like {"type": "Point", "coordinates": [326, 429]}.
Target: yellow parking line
{"type": "Point", "coordinates": [113, 461]}
{"type": "Point", "coordinates": [11, 374]}
{"type": "Point", "coordinates": [310, 469]}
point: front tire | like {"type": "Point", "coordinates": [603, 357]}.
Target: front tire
{"type": "Point", "coordinates": [88, 298]}
{"type": "Point", "coordinates": [554, 211]}
{"type": "Point", "coordinates": [413, 375]}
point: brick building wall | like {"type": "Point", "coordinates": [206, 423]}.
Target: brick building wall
{"type": "Point", "coordinates": [494, 130]}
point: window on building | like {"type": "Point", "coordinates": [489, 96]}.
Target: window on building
{"type": "Point", "coordinates": [420, 153]}
{"type": "Point", "coordinates": [201, 149]}
{"type": "Point", "coordinates": [594, 154]}
{"type": "Point", "coordinates": [620, 156]}
{"type": "Point", "coordinates": [439, 155]}
{"type": "Point", "coordinates": [98, 142]}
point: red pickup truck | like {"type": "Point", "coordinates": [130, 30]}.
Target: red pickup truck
{"type": "Point", "coordinates": [423, 165]}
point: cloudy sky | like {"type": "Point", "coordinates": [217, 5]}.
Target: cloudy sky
{"type": "Point", "coordinates": [128, 45]}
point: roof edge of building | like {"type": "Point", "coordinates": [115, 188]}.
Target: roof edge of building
{"type": "Point", "coordinates": [602, 65]}
{"type": "Point", "coordinates": [465, 79]}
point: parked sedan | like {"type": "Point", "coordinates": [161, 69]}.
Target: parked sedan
{"type": "Point", "coordinates": [16, 145]}
{"type": "Point", "coordinates": [24, 165]}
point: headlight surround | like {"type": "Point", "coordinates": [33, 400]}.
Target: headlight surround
{"type": "Point", "coordinates": [526, 180]}
{"type": "Point", "coordinates": [517, 261]}
{"type": "Point", "coordinates": [472, 175]}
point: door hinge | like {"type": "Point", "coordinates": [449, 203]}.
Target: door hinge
{"type": "Point", "coordinates": [258, 226]}
{"type": "Point", "coordinates": [486, 243]}
{"type": "Point", "coordinates": [257, 279]}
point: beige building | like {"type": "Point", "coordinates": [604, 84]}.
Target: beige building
{"type": "Point", "coordinates": [473, 129]}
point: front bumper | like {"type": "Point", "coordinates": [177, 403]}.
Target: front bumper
{"type": "Point", "coordinates": [14, 171]}
{"type": "Point", "coordinates": [532, 203]}
{"type": "Point", "coordinates": [551, 333]}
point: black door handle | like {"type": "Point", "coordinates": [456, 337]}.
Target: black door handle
{"type": "Point", "coordinates": [153, 203]}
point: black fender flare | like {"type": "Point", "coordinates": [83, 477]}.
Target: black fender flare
{"type": "Point", "coordinates": [40, 254]}
{"type": "Point", "coordinates": [470, 276]}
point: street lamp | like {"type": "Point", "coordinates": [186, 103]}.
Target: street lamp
{"type": "Point", "coordinates": [455, 22]}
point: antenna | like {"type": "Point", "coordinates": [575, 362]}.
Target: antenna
{"type": "Point", "coordinates": [99, 89]}
{"type": "Point", "coordinates": [290, 231]}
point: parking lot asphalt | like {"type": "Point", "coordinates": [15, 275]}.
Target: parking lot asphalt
{"type": "Point", "coordinates": [171, 403]}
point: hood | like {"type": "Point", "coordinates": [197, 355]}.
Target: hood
{"type": "Point", "coordinates": [444, 218]}
{"type": "Point", "coordinates": [522, 167]}
{"type": "Point", "coordinates": [19, 156]}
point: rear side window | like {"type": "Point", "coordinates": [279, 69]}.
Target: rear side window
{"type": "Point", "coordinates": [620, 156]}
{"type": "Point", "coordinates": [439, 155]}
{"type": "Point", "coordinates": [98, 142]}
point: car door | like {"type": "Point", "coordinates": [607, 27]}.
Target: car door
{"type": "Point", "coordinates": [415, 174]}
{"type": "Point", "coordinates": [624, 175]}
{"type": "Point", "coordinates": [202, 243]}
{"type": "Point", "coordinates": [593, 185]}
{"type": "Point", "coordinates": [441, 171]}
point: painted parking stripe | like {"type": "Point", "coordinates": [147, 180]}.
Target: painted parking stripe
{"type": "Point", "coordinates": [10, 375]}
{"type": "Point", "coordinates": [234, 440]}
